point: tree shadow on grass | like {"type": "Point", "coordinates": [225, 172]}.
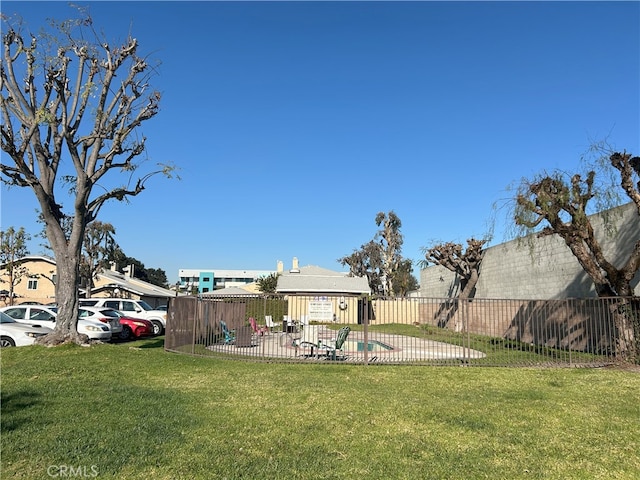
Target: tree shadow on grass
{"type": "Point", "coordinates": [13, 408]}
{"type": "Point", "coordinates": [157, 342]}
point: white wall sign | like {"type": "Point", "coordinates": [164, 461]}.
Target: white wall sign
{"type": "Point", "coordinates": [320, 311]}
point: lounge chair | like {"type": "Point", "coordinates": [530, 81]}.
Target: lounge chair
{"type": "Point", "coordinates": [309, 338]}
{"type": "Point", "coordinates": [268, 320]}
{"type": "Point", "coordinates": [258, 330]}
{"type": "Point", "coordinates": [229, 335]}
{"type": "Point", "coordinates": [333, 346]}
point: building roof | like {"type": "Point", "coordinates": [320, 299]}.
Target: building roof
{"type": "Point", "coordinates": [313, 279]}
{"type": "Point", "coordinates": [32, 258]}
{"type": "Point", "coordinates": [230, 292]}
{"type": "Point", "coordinates": [134, 285]}
{"type": "Point", "coordinates": [220, 273]}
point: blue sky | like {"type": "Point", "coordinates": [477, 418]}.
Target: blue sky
{"type": "Point", "coordinates": [295, 123]}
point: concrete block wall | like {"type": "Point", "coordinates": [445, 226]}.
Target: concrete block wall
{"type": "Point", "coordinates": [540, 268]}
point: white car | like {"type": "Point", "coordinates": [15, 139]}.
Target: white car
{"type": "Point", "coordinates": [46, 316]}
{"type": "Point", "coordinates": [131, 308]}
{"type": "Point", "coordinates": [15, 334]}
{"type": "Point", "coordinates": [104, 315]}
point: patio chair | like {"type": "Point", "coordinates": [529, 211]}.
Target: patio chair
{"type": "Point", "coordinates": [309, 338]}
{"type": "Point", "coordinates": [268, 320]}
{"type": "Point", "coordinates": [229, 335]}
{"type": "Point", "coordinates": [333, 346]}
{"type": "Point", "coordinates": [258, 330]}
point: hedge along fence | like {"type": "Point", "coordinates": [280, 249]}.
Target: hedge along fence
{"type": "Point", "coordinates": [418, 330]}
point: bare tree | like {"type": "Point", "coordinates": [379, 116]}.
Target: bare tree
{"type": "Point", "coordinates": [71, 110]}
{"type": "Point", "coordinates": [559, 206]}
{"type": "Point", "coordinates": [13, 246]}
{"type": "Point", "coordinates": [466, 265]}
{"type": "Point", "coordinates": [555, 205]}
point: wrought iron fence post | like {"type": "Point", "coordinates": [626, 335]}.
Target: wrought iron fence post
{"type": "Point", "coordinates": [566, 329]}
{"type": "Point", "coordinates": [466, 354]}
{"type": "Point", "coordinates": [193, 328]}
{"type": "Point", "coordinates": [466, 321]}
{"type": "Point", "coordinates": [365, 323]}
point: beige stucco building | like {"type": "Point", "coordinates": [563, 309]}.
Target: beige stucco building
{"type": "Point", "coordinates": [38, 284]}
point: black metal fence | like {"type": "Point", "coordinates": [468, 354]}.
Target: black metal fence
{"type": "Point", "coordinates": [491, 332]}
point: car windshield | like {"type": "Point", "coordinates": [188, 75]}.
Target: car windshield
{"type": "Point", "coordinates": [4, 318]}
{"type": "Point", "coordinates": [145, 305]}
{"type": "Point", "coordinates": [108, 312]}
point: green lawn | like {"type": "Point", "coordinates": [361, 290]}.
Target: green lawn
{"type": "Point", "coordinates": [132, 411]}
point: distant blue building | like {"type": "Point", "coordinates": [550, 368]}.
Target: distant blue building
{"type": "Point", "coordinates": [208, 280]}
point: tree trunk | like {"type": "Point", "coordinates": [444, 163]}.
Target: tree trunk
{"type": "Point", "coordinates": [67, 256]}
{"type": "Point", "coordinates": [626, 318]}
{"type": "Point", "coordinates": [469, 284]}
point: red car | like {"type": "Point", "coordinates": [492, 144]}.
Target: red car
{"type": "Point", "coordinates": [131, 327]}
{"type": "Point", "coordinates": [134, 327]}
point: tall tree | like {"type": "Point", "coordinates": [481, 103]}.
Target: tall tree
{"type": "Point", "coordinates": [380, 259]}
{"type": "Point", "coordinates": [157, 276]}
{"type": "Point", "coordinates": [557, 205]}
{"type": "Point", "coordinates": [391, 241]}
{"type": "Point", "coordinates": [71, 98]}
{"type": "Point", "coordinates": [13, 246]}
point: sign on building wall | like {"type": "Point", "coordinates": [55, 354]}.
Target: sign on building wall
{"type": "Point", "coordinates": [320, 310]}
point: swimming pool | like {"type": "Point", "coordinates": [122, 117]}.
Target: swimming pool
{"type": "Point", "coordinates": [372, 346]}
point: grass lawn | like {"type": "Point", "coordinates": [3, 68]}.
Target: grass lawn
{"type": "Point", "coordinates": [132, 411]}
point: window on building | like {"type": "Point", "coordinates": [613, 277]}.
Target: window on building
{"type": "Point", "coordinates": [205, 290]}
{"type": "Point", "coordinates": [33, 284]}
{"type": "Point", "coordinates": [205, 279]}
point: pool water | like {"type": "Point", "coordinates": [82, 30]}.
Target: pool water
{"type": "Point", "coordinates": [372, 346]}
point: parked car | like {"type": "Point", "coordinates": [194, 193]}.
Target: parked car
{"type": "Point", "coordinates": [134, 327]}
{"type": "Point", "coordinates": [15, 334]}
{"type": "Point", "coordinates": [41, 314]}
{"type": "Point", "coordinates": [104, 315]}
{"type": "Point", "coordinates": [131, 308]}
{"type": "Point", "coordinates": [46, 316]}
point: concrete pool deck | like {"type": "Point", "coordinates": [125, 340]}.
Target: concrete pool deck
{"type": "Point", "coordinates": [404, 348]}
